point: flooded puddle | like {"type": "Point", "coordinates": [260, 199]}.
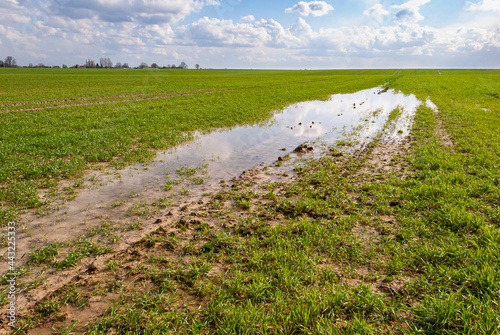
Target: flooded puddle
{"type": "Point", "coordinates": [229, 152]}
{"type": "Point", "coordinates": [431, 105]}
{"type": "Point", "coordinates": [224, 155]}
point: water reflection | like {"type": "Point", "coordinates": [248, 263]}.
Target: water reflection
{"type": "Point", "coordinates": [228, 153]}
{"type": "Point", "coordinates": [241, 148]}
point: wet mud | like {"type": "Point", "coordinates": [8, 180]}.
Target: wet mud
{"type": "Point", "coordinates": [214, 158]}
{"type": "Point", "coordinates": [187, 177]}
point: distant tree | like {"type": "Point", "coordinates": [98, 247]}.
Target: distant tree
{"type": "Point", "coordinates": [65, 66]}
{"type": "Point", "coordinates": [118, 65]}
{"type": "Point", "coordinates": [143, 66]}
{"type": "Point", "coordinates": [125, 66]}
{"type": "Point", "coordinates": [2, 64]}
{"type": "Point", "coordinates": [40, 65]}
{"type": "Point", "coordinates": [183, 66]}
{"type": "Point", "coordinates": [89, 63]}
{"type": "Point", "coordinates": [154, 66]}
{"type": "Point", "coordinates": [10, 62]}
{"type": "Point", "coordinates": [30, 65]}
{"type": "Point", "coordinates": [197, 66]}
{"type": "Point", "coordinates": [106, 62]}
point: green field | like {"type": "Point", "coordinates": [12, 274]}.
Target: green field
{"type": "Point", "coordinates": [38, 148]}
{"type": "Point", "coordinates": [344, 249]}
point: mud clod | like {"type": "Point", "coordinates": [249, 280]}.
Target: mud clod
{"type": "Point", "coordinates": [183, 222]}
{"type": "Point", "coordinates": [168, 246]}
{"type": "Point", "coordinates": [303, 149]}
{"type": "Point", "coordinates": [97, 265]}
{"type": "Point", "coordinates": [384, 90]}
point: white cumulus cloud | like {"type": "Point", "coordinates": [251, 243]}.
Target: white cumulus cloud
{"type": "Point", "coordinates": [301, 28]}
{"type": "Point", "coordinates": [248, 18]}
{"type": "Point", "coordinates": [270, 33]}
{"type": "Point", "coordinates": [311, 9]}
{"type": "Point", "coordinates": [377, 11]}
{"type": "Point", "coordinates": [145, 11]}
{"type": "Point", "coordinates": [484, 5]}
{"type": "Point", "coordinates": [408, 12]}
{"type": "Point", "coordinates": [214, 32]}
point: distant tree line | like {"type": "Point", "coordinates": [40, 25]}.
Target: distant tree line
{"type": "Point", "coordinates": [8, 62]}
{"type": "Point", "coordinates": [104, 63]}
{"type": "Point", "coordinates": [108, 64]}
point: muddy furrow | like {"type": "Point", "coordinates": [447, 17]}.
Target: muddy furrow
{"type": "Point", "coordinates": [183, 221]}
{"type": "Point", "coordinates": [165, 221]}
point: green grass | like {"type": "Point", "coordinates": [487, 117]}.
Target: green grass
{"type": "Point", "coordinates": [444, 245]}
{"type": "Point", "coordinates": [294, 258]}
{"type": "Point", "coordinates": [53, 144]}
{"type": "Point", "coordinates": [78, 250]}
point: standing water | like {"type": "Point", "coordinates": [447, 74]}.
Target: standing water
{"type": "Point", "coordinates": [230, 152]}
{"type": "Point", "coordinates": [225, 154]}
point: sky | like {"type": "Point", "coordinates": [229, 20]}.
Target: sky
{"type": "Point", "coordinates": [258, 34]}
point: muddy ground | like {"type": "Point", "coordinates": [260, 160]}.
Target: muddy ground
{"type": "Point", "coordinates": [87, 291]}
{"type": "Point", "coordinates": [122, 238]}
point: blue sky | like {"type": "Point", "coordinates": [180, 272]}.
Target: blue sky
{"type": "Point", "coordinates": [255, 34]}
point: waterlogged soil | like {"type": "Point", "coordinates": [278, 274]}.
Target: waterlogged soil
{"type": "Point", "coordinates": [218, 156]}
{"type": "Point", "coordinates": [120, 208]}
{"type": "Point", "coordinates": [98, 285]}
